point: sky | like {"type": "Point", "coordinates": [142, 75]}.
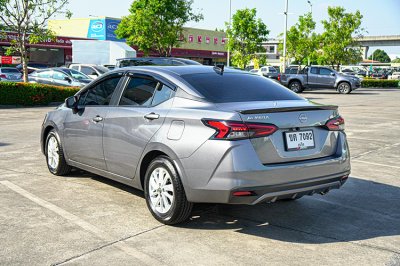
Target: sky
{"type": "Point", "coordinates": [381, 17]}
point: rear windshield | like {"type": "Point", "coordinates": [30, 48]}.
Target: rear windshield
{"type": "Point", "coordinates": [238, 87]}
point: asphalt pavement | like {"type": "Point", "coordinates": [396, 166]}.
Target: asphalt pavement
{"type": "Point", "coordinates": [84, 219]}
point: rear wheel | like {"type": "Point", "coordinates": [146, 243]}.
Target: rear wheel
{"type": "Point", "coordinates": [344, 88]}
{"type": "Point", "coordinates": [164, 192]}
{"type": "Point", "coordinates": [55, 155]}
{"type": "Point", "coordinates": [295, 86]}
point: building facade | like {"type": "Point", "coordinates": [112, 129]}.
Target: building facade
{"type": "Point", "coordinates": [204, 46]}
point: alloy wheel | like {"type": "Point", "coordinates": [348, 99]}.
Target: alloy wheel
{"type": "Point", "coordinates": [161, 190]}
{"type": "Point", "coordinates": [52, 152]}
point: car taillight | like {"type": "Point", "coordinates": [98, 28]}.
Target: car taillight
{"type": "Point", "coordinates": [3, 76]}
{"type": "Point", "coordinates": [230, 130]}
{"type": "Point", "coordinates": [279, 77]}
{"type": "Point", "coordinates": [335, 124]}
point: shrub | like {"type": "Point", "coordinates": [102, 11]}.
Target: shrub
{"type": "Point", "coordinates": [379, 83]}
{"type": "Point", "coordinates": [28, 94]}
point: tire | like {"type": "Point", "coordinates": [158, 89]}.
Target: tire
{"type": "Point", "coordinates": [344, 87]}
{"type": "Point", "coordinates": [295, 86]}
{"type": "Point", "coordinates": [164, 192]}
{"type": "Point", "coordinates": [55, 155]}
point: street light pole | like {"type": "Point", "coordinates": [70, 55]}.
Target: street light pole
{"type": "Point", "coordinates": [309, 2]}
{"type": "Point", "coordinates": [284, 37]}
{"type": "Point", "coordinates": [229, 27]}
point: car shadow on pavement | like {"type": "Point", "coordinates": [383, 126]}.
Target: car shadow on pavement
{"type": "Point", "coordinates": [304, 93]}
{"type": "Point", "coordinates": [361, 210]}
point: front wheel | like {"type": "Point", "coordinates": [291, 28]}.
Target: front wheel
{"type": "Point", "coordinates": [295, 86]}
{"type": "Point", "coordinates": [55, 155]}
{"type": "Point", "coordinates": [344, 88]}
{"type": "Point", "coordinates": [164, 192]}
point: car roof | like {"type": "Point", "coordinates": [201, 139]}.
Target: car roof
{"type": "Point", "coordinates": [179, 70]}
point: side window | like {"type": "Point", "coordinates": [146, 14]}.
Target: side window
{"type": "Point", "coordinates": [87, 70]}
{"type": "Point", "coordinates": [59, 76]}
{"type": "Point", "coordinates": [162, 94]}
{"type": "Point", "coordinates": [139, 92]}
{"type": "Point", "coordinates": [45, 74]}
{"type": "Point", "coordinates": [75, 67]}
{"type": "Point", "coordinates": [314, 70]}
{"type": "Point", "coordinates": [272, 69]}
{"type": "Point", "coordinates": [325, 71]}
{"type": "Point", "coordinates": [100, 94]}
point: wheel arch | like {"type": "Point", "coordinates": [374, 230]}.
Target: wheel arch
{"type": "Point", "coordinates": [152, 151]}
{"type": "Point", "coordinates": [45, 131]}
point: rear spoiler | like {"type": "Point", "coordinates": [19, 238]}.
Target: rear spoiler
{"type": "Point", "coordinates": [289, 109]}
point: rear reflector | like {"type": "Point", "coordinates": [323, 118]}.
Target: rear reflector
{"type": "Point", "coordinates": [242, 193]}
{"type": "Point", "coordinates": [230, 130]}
{"type": "Point", "coordinates": [335, 124]}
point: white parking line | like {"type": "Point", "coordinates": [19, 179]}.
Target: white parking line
{"type": "Point", "coordinates": [144, 258]}
{"type": "Point", "coordinates": [377, 164]}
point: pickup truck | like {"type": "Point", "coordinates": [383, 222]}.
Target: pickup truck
{"type": "Point", "coordinates": [320, 77]}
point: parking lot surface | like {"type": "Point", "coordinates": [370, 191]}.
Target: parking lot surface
{"type": "Point", "coordinates": [85, 219]}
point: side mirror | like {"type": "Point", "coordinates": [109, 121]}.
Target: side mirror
{"type": "Point", "coordinates": [71, 102]}
{"type": "Point", "coordinates": [68, 79]}
{"type": "Point", "coordinates": [333, 74]}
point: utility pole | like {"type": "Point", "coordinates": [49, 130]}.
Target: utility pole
{"type": "Point", "coordinates": [309, 2]}
{"type": "Point", "coordinates": [229, 27]}
{"type": "Point", "coordinates": [284, 37]}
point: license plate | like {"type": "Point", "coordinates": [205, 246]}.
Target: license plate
{"type": "Point", "coordinates": [299, 140]}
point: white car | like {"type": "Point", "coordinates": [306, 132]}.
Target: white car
{"type": "Point", "coordinates": [91, 70]}
{"type": "Point", "coordinates": [395, 75]}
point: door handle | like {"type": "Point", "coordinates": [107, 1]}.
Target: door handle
{"type": "Point", "coordinates": [97, 119]}
{"type": "Point", "coordinates": [152, 116]}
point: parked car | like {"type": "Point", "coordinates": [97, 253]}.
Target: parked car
{"type": "Point", "coordinates": [269, 72]}
{"type": "Point", "coordinates": [189, 134]}
{"type": "Point", "coordinates": [379, 75]}
{"type": "Point", "coordinates": [154, 61]}
{"type": "Point", "coordinates": [316, 77]}
{"type": "Point", "coordinates": [10, 74]}
{"type": "Point", "coordinates": [110, 67]}
{"type": "Point", "coordinates": [32, 67]}
{"type": "Point", "coordinates": [92, 71]}
{"type": "Point", "coordinates": [60, 76]}
{"type": "Point", "coordinates": [395, 75]}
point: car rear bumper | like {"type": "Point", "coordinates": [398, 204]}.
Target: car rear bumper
{"type": "Point", "coordinates": [215, 181]}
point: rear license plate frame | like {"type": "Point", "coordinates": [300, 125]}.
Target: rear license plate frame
{"type": "Point", "coordinates": [285, 134]}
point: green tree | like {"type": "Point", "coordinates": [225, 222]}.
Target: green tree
{"type": "Point", "coordinates": [245, 36]}
{"type": "Point", "coordinates": [302, 41]}
{"type": "Point", "coordinates": [380, 55]}
{"type": "Point", "coordinates": [28, 19]}
{"type": "Point", "coordinates": [338, 44]}
{"type": "Point", "coordinates": [397, 60]}
{"type": "Point", "coordinates": [156, 24]}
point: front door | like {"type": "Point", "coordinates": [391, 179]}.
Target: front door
{"type": "Point", "coordinates": [128, 127]}
{"type": "Point", "coordinates": [83, 130]}
{"type": "Point", "coordinates": [327, 78]}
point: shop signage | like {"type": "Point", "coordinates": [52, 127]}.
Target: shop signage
{"type": "Point", "coordinates": [6, 60]}
{"type": "Point", "coordinates": [223, 41]}
{"type": "Point", "coordinates": [191, 38]}
{"type": "Point", "coordinates": [10, 36]}
{"type": "Point", "coordinates": [199, 38]}
{"type": "Point", "coordinates": [207, 40]}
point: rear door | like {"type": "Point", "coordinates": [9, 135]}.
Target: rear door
{"type": "Point", "coordinates": [326, 78]}
{"type": "Point", "coordinates": [313, 77]}
{"type": "Point", "coordinates": [129, 126]}
{"type": "Point", "coordinates": [83, 130]}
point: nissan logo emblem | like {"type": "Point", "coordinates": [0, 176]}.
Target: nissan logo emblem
{"type": "Point", "coordinates": [303, 118]}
